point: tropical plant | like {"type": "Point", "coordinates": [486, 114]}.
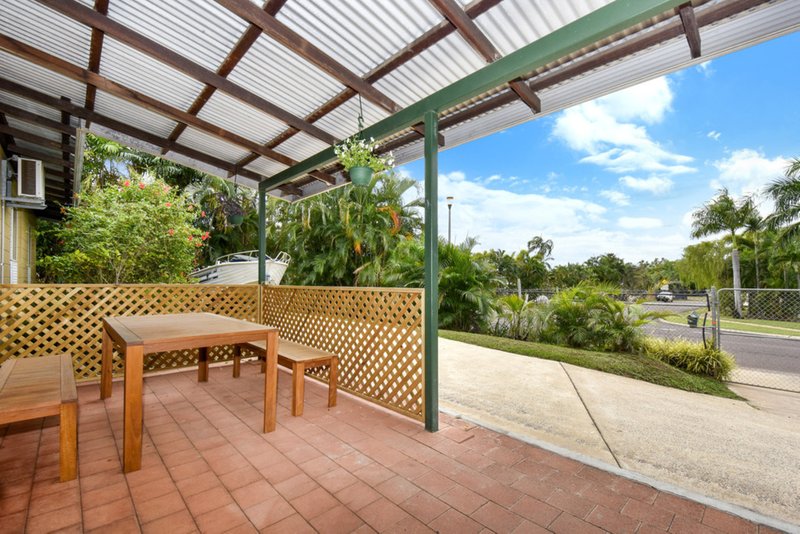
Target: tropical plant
{"type": "Point", "coordinates": [133, 232]}
{"type": "Point", "coordinates": [514, 317]}
{"type": "Point", "coordinates": [587, 316]}
{"type": "Point", "coordinates": [786, 194]}
{"type": "Point", "coordinates": [690, 356]}
{"type": "Point", "coordinates": [358, 152]}
{"type": "Point", "coordinates": [725, 214]}
{"type": "Point", "coordinates": [754, 225]}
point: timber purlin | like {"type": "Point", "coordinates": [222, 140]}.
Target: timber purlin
{"type": "Point", "coordinates": [377, 332]}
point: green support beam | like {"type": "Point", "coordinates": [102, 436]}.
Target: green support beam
{"type": "Point", "coordinates": [262, 235]}
{"type": "Point", "coordinates": [431, 304]}
{"type": "Point", "coordinates": [600, 24]}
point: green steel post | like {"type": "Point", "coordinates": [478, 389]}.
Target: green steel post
{"type": "Point", "coordinates": [431, 272]}
{"type": "Point", "coordinates": [262, 235]}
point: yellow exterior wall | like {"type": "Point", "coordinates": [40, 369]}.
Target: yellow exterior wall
{"type": "Point", "coordinates": [25, 221]}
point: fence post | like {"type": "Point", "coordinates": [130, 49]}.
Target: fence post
{"type": "Point", "coordinates": [715, 317]}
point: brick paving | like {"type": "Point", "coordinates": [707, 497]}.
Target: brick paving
{"type": "Point", "coordinates": [355, 468]}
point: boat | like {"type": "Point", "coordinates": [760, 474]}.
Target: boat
{"type": "Point", "coordinates": [242, 268]}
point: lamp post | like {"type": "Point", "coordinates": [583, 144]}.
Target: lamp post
{"type": "Point", "coordinates": [449, 216]}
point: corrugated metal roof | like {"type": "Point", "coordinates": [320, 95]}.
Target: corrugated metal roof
{"type": "Point", "coordinates": [111, 106]}
{"type": "Point", "coordinates": [138, 71]}
{"type": "Point", "coordinates": [201, 30]}
{"type": "Point", "coordinates": [358, 35]}
{"type": "Point", "coordinates": [39, 26]}
{"type": "Point", "coordinates": [33, 129]}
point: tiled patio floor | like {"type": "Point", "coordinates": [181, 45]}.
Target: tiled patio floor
{"type": "Point", "coordinates": [355, 468]}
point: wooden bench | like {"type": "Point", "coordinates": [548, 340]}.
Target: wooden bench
{"type": "Point", "coordinates": [298, 358]}
{"type": "Point", "coordinates": [40, 387]}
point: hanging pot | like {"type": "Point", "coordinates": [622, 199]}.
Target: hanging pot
{"type": "Point", "coordinates": [360, 176]}
{"type": "Point", "coordinates": [235, 219]}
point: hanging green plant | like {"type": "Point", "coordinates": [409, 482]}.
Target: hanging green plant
{"type": "Point", "coordinates": [359, 158]}
{"type": "Point", "coordinates": [233, 210]}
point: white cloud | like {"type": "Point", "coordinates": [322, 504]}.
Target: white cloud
{"type": "Point", "coordinates": [616, 197]}
{"type": "Point", "coordinates": [655, 184]}
{"type": "Point", "coordinates": [705, 68]}
{"type": "Point", "coordinates": [747, 171]}
{"type": "Point", "coordinates": [607, 130]}
{"type": "Point", "coordinates": [713, 134]}
{"type": "Point", "coordinates": [492, 178]}
{"type": "Point", "coordinates": [639, 223]}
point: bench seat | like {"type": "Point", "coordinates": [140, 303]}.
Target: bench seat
{"type": "Point", "coordinates": [298, 358]}
{"type": "Point", "coordinates": [36, 387]}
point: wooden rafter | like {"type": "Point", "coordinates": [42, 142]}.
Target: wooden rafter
{"type": "Point", "coordinates": [65, 139]}
{"type": "Point", "coordinates": [24, 151]}
{"type": "Point", "coordinates": [65, 68]}
{"type": "Point", "coordinates": [36, 139]}
{"type": "Point", "coordinates": [95, 53]}
{"type": "Point", "coordinates": [246, 41]}
{"type": "Point", "coordinates": [6, 138]}
{"type": "Point", "coordinates": [416, 47]}
{"type": "Point", "coordinates": [108, 122]}
{"type": "Point", "coordinates": [470, 31]}
{"type": "Point", "coordinates": [90, 17]}
{"type": "Point", "coordinates": [691, 29]}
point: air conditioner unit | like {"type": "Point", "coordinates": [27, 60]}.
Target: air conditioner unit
{"type": "Point", "coordinates": [30, 178]}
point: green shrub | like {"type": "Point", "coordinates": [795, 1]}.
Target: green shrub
{"type": "Point", "coordinates": [690, 356]}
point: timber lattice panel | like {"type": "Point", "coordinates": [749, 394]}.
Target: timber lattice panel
{"type": "Point", "coordinates": [376, 332]}
{"type": "Point", "coordinates": [36, 320]}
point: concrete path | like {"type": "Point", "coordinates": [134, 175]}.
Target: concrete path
{"type": "Point", "coordinates": [743, 453]}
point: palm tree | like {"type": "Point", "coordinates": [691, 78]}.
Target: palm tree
{"type": "Point", "coordinates": [725, 214]}
{"type": "Point", "coordinates": [541, 248]}
{"type": "Point", "coordinates": [785, 192]}
{"type": "Point", "coordinates": [753, 226]}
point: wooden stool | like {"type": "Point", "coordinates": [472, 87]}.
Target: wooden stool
{"type": "Point", "coordinates": [298, 358]}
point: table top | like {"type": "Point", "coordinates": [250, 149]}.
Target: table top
{"type": "Point", "coordinates": [30, 385]}
{"type": "Point", "coordinates": [182, 331]}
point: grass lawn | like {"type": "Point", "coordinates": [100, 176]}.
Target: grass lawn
{"type": "Point", "coordinates": [756, 326]}
{"type": "Point", "coordinates": [630, 365]}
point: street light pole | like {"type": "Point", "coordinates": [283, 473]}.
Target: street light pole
{"type": "Point", "coordinates": [449, 216]}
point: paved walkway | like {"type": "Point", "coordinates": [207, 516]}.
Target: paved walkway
{"type": "Point", "coordinates": [354, 468]}
{"type": "Point", "coordinates": [728, 450]}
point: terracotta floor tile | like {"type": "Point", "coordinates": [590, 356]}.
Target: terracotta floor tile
{"type": "Point", "coordinates": [462, 499]}
{"type": "Point", "coordinates": [314, 503]}
{"type": "Point", "coordinates": [14, 522]}
{"type": "Point", "coordinates": [612, 521]}
{"type": "Point", "coordinates": [680, 505]}
{"type": "Point", "coordinates": [269, 511]}
{"type": "Point", "coordinates": [397, 489]}
{"type": "Point", "coordinates": [253, 493]}
{"type": "Point", "coordinates": [201, 503]}
{"type": "Point", "coordinates": [648, 514]}
{"type": "Point", "coordinates": [382, 514]}
{"type": "Point", "coordinates": [241, 477]}
{"type": "Point", "coordinates": [337, 520]}
{"type": "Point", "coordinates": [434, 483]}
{"type": "Point", "coordinates": [55, 520]}
{"type": "Point", "coordinates": [527, 527]}
{"type": "Point", "coordinates": [294, 524]}
{"type": "Point", "coordinates": [410, 525]}
{"type": "Point", "coordinates": [13, 504]}
{"type": "Point", "coordinates": [107, 513]}
{"type": "Point", "coordinates": [535, 510]}
{"type": "Point", "coordinates": [574, 504]}
{"type": "Point", "coordinates": [727, 522]}
{"type": "Point", "coordinates": [337, 479]}
{"type": "Point", "coordinates": [569, 524]}
{"type": "Point", "coordinates": [374, 473]}
{"type": "Point", "coordinates": [221, 519]}
{"type": "Point", "coordinates": [198, 484]}
{"type": "Point", "coordinates": [126, 525]}
{"type": "Point", "coordinates": [296, 486]}
{"type": "Point", "coordinates": [357, 495]}
{"type": "Point", "coordinates": [176, 523]}
{"type": "Point", "coordinates": [496, 517]}
{"type": "Point", "coordinates": [454, 522]}
{"type": "Point", "coordinates": [160, 506]}
{"type": "Point", "coordinates": [424, 506]}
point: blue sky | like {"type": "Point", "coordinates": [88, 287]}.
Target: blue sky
{"type": "Point", "coordinates": [623, 173]}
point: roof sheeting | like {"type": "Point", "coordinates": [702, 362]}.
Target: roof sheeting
{"type": "Point", "coordinates": [410, 44]}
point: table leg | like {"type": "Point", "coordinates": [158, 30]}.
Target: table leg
{"type": "Point", "coordinates": [202, 365]}
{"type": "Point", "coordinates": [333, 379]}
{"type": "Point", "coordinates": [237, 361]}
{"type": "Point", "coordinates": [132, 427]}
{"type": "Point", "coordinates": [106, 366]}
{"type": "Point", "coordinates": [271, 382]}
{"type": "Point", "coordinates": [298, 387]}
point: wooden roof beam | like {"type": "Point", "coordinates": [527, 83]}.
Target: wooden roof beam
{"type": "Point", "coordinates": [88, 16]}
{"type": "Point", "coordinates": [690, 28]}
{"type": "Point", "coordinates": [307, 50]}
{"type": "Point", "coordinates": [23, 151]}
{"type": "Point", "coordinates": [113, 124]}
{"type": "Point", "coordinates": [65, 139]}
{"type": "Point", "coordinates": [247, 39]}
{"type": "Point", "coordinates": [95, 52]}
{"type": "Point", "coordinates": [6, 138]}
{"type": "Point", "coordinates": [419, 45]}
{"type": "Point", "coordinates": [470, 31]}
{"type": "Point", "coordinates": [27, 116]}
{"type": "Point", "coordinates": [33, 138]}
{"type": "Point", "coordinates": [65, 68]}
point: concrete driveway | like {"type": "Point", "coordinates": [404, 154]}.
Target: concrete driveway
{"type": "Point", "coordinates": [747, 454]}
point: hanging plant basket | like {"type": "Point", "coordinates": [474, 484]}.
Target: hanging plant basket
{"type": "Point", "coordinates": [360, 176]}
{"type": "Point", "coordinates": [235, 219]}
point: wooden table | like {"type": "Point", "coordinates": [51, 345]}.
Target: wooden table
{"type": "Point", "coordinates": [136, 336]}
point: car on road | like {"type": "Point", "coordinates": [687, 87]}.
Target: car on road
{"type": "Point", "coordinates": [665, 296]}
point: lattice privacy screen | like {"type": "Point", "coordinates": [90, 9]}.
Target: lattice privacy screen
{"type": "Point", "coordinates": [376, 332]}
{"type": "Point", "coordinates": [36, 320]}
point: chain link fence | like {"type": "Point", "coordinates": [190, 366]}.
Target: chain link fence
{"type": "Point", "coordinates": [761, 328]}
